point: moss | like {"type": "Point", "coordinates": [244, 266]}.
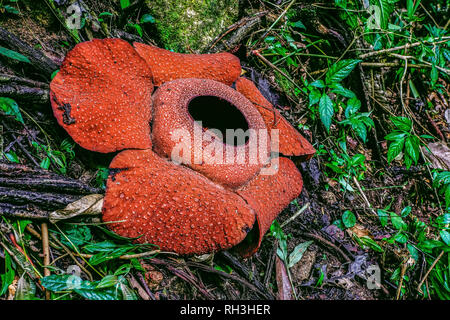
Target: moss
{"type": "Point", "coordinates": [192, 24]}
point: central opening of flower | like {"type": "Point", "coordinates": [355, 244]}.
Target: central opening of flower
{"type": "Point", "coordinates": [219, 114]}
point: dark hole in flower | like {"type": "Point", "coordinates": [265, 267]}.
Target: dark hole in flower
{"type": "Point", "coordinates": [219, 114]}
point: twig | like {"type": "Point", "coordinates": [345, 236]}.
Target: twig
{"type": "Point", "coordinates": [402, 274]}
{"type": "Point", "coordinates": [144, 284]}
{"type": "Point", "coordinates": [72, 256]}
{"type": "Point", "coordinates": [364, 196]}
{"type": "Point", "coordinates": [299, 212]}
{"type": "Point", "coordinates": [46, 252]}
{"type": "Point", "coordinates": [408, 45]}
{"type": "Point", "coordinates": [270, 64]}
{"type": "Point", "coordinates": [233, 277]}
{"type": "Point", "coordinates": [38, 59]}
{"type": "Point", "coordinates": [327, 243]}
{"type": "Point", "coordinates": [429, 270]}
{"type": "Point", "coordinates": [273, 24]}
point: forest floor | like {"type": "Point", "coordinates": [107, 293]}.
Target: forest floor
{"type": "Point", "coordinates": [368, 86]}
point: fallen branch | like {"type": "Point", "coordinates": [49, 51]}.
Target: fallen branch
{"type": "Point", "coordinates": [37, 58]}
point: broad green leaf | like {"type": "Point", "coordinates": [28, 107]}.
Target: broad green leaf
{"type": "Point", "coordinates": [383, 215]}
{"type": "Point", "coordinates": [10, 107]}
{"type": "Point", "coordinates": [12, 156]}
{"type": "Point", "coordinates": [398, 222]}
{"type": "Point", "coordinates": [385, 7]}
{"type": "Point", "coordinates": [406, 211]}
{"type": "Point", "coordinates": [339, 89]}
{"type": "Point", "coordinates": [402, 123]}
{"type": "Point", "coordinates": [147, 18]}
{"type": "Point", "coordinates": [340, 70]}
{"type": "Point", "coordinates": [8, 277]}
{"type": "Point", "coordinates": [353, 105]}
{"type": "Point", "coordinates": [314, 96]}
{"type": "Point", "coordinates": [127, 293]}
{"type": "Point", "coordinates": [394, 149]}
{"type": "Point", "coordinates": [318, 84]}
{"type": "Point", "coordinates": [297, 254]}
{"type": "Point", "coordinates": [413, 252]}
{"type": "Point", "coordinates": [349, 219]}
{"type": "Point", "coordinates": [14, 55]}
{"type": "Point", "coordinates": [445, 236]}
{"type": "Point", "coordinates": [326, 110]}
{"type": "Point", "coordinates": [124, 4]}
{"type": "Point", "coordinates": [360, 130]}
{"type": "Point", "coordinates": [371, 243]}
{"type": "Point", "coordinates": [107, 281]}
{"type": "Point", "coordinates": [396, 135]}
{"type": "Point", "coordinates": [298, 24]}
{"type": "Point", "coordinates": [401, 237]}
{"type": "Point", "coordinates": [412, 148]}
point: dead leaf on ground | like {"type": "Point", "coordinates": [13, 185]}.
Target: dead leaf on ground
{"type": "Point", "coordinates": [88, 205]}
{"type": "Point", "coordinates": [439, 156]}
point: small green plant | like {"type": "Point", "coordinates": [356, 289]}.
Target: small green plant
{"type": "Point", "coordinates": [8, 7]}
{"type": "Point", "coordinates": [404, 143]}
{"type": "Point", "coordinates": [346, 167]}
{"type": "Point", "coordinates": [59, 158]}
{"type": "Point", "coordinates": [319, 95]}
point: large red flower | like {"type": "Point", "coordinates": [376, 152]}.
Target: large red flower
{"type": "Point", "coordinates": [102, 96]}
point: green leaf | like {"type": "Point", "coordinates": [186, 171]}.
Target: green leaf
{"type": "Point", "coordinates": [396, 135]}
{"type": "Point", "coordinates": [406, 211]}
{"type": "Point", "coordinates": [445, 236]}
{"type": "Point", "coordinates": [74, 283]}
{"type": "Point", "coordinates": [12, 156]}
{"type": "Point", "coordinates": [398, 222]}
{"type": "Point", "coordinates": [371, 243]}
{"type": "Point", "coordinates": [105, 14]}
{"type": "Point", "coordinates": [297, 254]}
{"type": "Point", "coordinates": [107, 281]}
{"type": "Point", "coordinates": [298, 24]}
{"type": "Point", "coordinates": [349, 219]}
{"type": "Point", "coordinates": [339, 89]}
{"type": "Point", "coordinates": [413, 252]}
{"type": "Point", "coordinates": [383, 215]}
{"type": "Point", "coordinates": [8, 277]}
{"type": "Point", "coordinates": [353, 105]}
{"type": "Point", "coordinates": [340, 70]}
{"type": "Point", "coordinates": [10, 107]}
{"type": "Point", "coordinates": [314, 96]}
{"type": "Point", "coordinates": [401, 238]}
{"type": "Point", "coordinates": [147, 18]}
{"type": "Point", "coordinates": [402, 123]}
{"type": "Point", "coordinates": [14, 55]}
{"type": "Point", "coordinates": [394, 149]}
{"type": "Point", "coordinates": [318, 84]}
{"type": "Point", "coordinates": [360, 130]}
{"type": "Point", "coordinates": [386, 8]}
{"type": "Point", "coordinates": [54, 73]}
{"type": "Point", "coordinates": [10, 9]}
{"type": "Point", "coordinates": [326, 110]}
{"type": "Point", "coordinates": [124, 4]}
{"type": "Point", "coordinates": [77, 235]}
{"type": "Point", "coordinates": [412, 148]}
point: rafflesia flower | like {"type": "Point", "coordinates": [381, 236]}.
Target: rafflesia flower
{"type": "Point", "coordinates": [175, 182]}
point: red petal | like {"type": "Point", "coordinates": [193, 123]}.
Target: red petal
{"type": "Point", "coordinates": [102, 96]}
{"type": "Point", "coordinates": [167, 65]}
{"type": "Point", "coordinates": [268, 195]}
{"type": "Point", "coordinates": [172, 206]}
{"type": "Point", "coordinates": [291, 142]}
